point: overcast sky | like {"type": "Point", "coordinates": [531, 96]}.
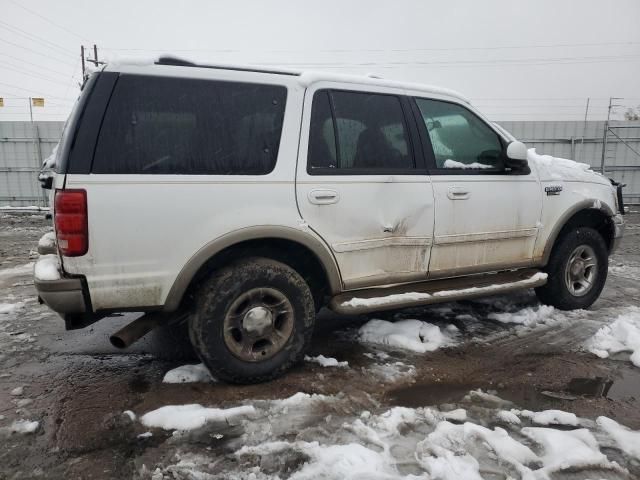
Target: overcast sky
{"type": "Point", "coordinates": [516, 60]}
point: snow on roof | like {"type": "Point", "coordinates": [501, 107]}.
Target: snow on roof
{"type": "Point", "coordinates": [305, 78]}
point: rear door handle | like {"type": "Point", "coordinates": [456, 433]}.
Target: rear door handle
{"type": "Point", "coordinates": [323, 196]}
{"type": "Point", "coordinates": [458, 193]}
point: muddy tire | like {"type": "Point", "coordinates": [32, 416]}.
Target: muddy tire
{"type": "Point", "coordinates": [253, 320]}
{"type": "Point", "coordinates": [577, 270]}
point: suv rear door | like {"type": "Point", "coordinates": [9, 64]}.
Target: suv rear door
{"type": "Point", "coordinates": [361, 183]}
{"type": "Point", "coordinates": [487, 217]}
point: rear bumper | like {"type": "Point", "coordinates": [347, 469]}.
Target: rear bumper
{"type": "Point", "coordinates": [65, 295]}
{"type": "Point", "coordinates": [618, 231]}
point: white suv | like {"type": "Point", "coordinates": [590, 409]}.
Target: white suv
{"type": "Point", "coordinates": [245, 200]}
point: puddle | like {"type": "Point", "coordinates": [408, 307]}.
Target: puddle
{"type": "Point", "coordinates": [621, 386]}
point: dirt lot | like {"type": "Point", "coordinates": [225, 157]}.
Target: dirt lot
{"type": "Point", "coordinates": [76, 386]}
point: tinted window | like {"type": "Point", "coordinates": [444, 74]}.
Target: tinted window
{"type": "Point", "coordinates": [360, 131]}
{"type": "Point", "coordinates": [460, 139]}
{"type": "Point", "coordinates": [186, 126]}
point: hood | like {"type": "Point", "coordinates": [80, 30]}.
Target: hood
{"type": "Point", "coordinates": [553, 168]}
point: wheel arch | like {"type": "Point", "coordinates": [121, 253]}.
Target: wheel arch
{"type": "Point", "coordinates": [596, 215]}
{"type": "Point", "coordinates": [300, 250]}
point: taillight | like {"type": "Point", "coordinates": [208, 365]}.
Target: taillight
{"type": "Point", "coordinates": [71, 221]}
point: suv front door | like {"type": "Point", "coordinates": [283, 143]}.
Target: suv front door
{"type": "Point", "coordinates": [487, 217]}
{"type": "Point", "coordinates": [362, 185]}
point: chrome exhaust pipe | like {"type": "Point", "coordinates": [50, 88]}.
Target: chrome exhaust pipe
{"type": "Point", "coordinates": [137, 329]}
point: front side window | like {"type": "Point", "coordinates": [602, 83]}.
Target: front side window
{"type": "Point", "coordinates": [163, 125]}
{"type": "Point", "coordinates": [460, 139]}
{"type": "Point", "coordinates": [363, 132]}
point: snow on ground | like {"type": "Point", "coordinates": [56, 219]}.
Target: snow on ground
{"type": "Point", "coordinates": [623, 335]}
{"type": "Point", "coordinates": [631, 272]}
{"type": "Point", "coordinates": [326, 437]}
{"type": "Point", "coordinates": [188, 374]}
{"type": "Point", "coordinates": [528, 317]}
{"type": "Point", "coordinates": [10, 307]}
{"type": "Point", "coordinates": [21, 426]}
{"type": "Point", "coordinates": [548, 417]}
{"type": "Point", "coordinates": [325, 361]}
{"type": "Point", "coordinates": [413, 335]}
{"type": "Point", "coordinates": [17, 270]}
{"type": "Point", "coordinates": [190, 417]}
{"type": "Point", "coordinates": [627, 440]}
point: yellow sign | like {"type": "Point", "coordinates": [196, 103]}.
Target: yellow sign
{"type": "Point", "coordinates": [1, 102]}
{"type": "Point", "coordinates": [37, 102]}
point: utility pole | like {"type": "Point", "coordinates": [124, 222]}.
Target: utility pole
{"type": "Point", "coordinates": [95, 54]}
{"type": "Point", "coordinates": [606, 132]}
{"type": "Point", "coordinates": [584, 126]}
{"type": "Point", "coordinates": [82, 57]}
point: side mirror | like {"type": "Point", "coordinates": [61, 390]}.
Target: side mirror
{"type": "Point", "coordinates": [517, 156]}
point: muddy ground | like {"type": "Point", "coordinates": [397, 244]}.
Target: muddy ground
{"type": "Point", "coordinates": [77, 386]}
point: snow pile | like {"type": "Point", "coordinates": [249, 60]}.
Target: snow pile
{"type": "Point", "coordinates": [448, 163]}
{"type": "Point", "coordinates": [627, 440]}
{"type": "Point", "coordinates": [413, 335]}
{"type": "Point", "coordinates": [48, 240]}
{"type": "Point", "coordinates": [24, 426]}
{"type": "Point", "coordinates": [565, 450]}
{"type": "Point", "coordinates": [623, 335]}
{"type": "Point", "coordinates": [325, 361]}
{"type": "Point", "coordinates": [508, 417]}
{"type": "Point", "coordinates": [190, 417]}
{"type": "Point", "coordinates": [548, 417]}
{"type": "Point", "coordinates": [188, 374]}
{"type": "Point", "coordinates": [16, 392]}
{"type": "Point", "coordinates": [529, 316]}
{"type": "Point", "coordinates": [10, 307]}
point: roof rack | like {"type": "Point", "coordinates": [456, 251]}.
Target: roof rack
{"type": "Point", "coordinates": [179, 62]}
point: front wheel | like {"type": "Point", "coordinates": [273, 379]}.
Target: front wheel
{"type": "Point", "coordinates": [577, 270]}
{"type": "Point", "coordinates": [253, 320]}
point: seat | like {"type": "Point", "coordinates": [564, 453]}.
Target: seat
{"type": "Point", "coordinates": [373, 151]}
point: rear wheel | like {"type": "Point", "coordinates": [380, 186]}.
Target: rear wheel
{"type": "Point", "coordinates": [253, 320]}
{"type": "Point", "coordinates": [577, 270]}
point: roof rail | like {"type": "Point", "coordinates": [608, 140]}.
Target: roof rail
{"type": "Point", "coordinates": [179, 62]}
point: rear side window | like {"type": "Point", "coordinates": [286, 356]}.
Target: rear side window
{"type": "Point", "coordinates": [160, 125]}
{"type": "Point", "coordinates": [363, 132]}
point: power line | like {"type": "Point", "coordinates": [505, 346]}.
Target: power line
{"type": "Point", "coordinates": [66, 62]}
{"type": "Point", "coordinates": [506, 47]}
{"type": "Point", "coordinates": [34, 75]}
{"type": "Point", "coordinates": [517, 61]}
{"type": "Point", "coordinates": [48, 20]}
{"type": "Point", "coordinates": [30, 90]}
{"type": "Point", "coordinates": [33, 64]}
{"type": "Point", "coordinates": [31, 71]}
{"type": "Point", "coordinates": [35, 38]}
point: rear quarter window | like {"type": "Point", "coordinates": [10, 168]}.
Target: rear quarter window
{"type": "Point", "coordinates": [161, 125]}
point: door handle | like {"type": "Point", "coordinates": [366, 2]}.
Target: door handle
{"type": "Point", "coordinates": [323, 196]}
{"type": "Point", "coordinates": [458, 193]}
